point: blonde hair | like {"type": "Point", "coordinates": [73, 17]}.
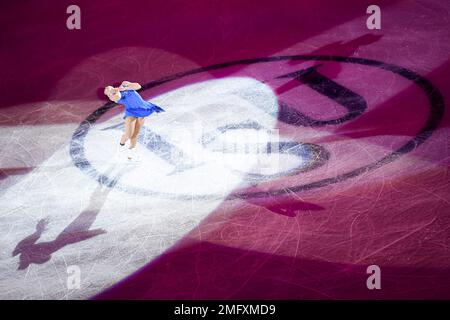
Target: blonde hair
{"type": "Point", "coordinates": [107, 89]}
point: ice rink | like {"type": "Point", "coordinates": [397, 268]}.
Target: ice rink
{"type": "Point", "coordinates": [297, 149]}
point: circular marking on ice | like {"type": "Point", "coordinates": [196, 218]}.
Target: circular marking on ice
{"type": "Point", "coordinates": [435, 99]}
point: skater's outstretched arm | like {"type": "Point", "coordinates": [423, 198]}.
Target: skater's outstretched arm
{"type": "Point", "coordinates": [127, 85]}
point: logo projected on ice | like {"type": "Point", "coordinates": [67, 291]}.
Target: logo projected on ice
{"type": "Point", "coordinates": [278, 120]}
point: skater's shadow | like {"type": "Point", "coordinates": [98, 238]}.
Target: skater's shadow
{"type": "Point", "coordinates": [286, 207]}
{"type": "Point", "coordinates": [338, 48]}
{"type": "Point", "coordinates": [78, 230]}
{"type": "Point", "coordinates": [343, 48]}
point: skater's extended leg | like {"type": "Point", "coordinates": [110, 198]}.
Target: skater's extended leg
{"type": "Point", "coordinates": [129, 128]}
{"type": "Point", "coordinates": [132, 153]}
{"type": "Point", "coordinates": [137, 128]}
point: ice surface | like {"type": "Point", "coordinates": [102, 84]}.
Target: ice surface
{"type": "Point", "coordinates": [188, 202]}
{"type": "Point", "coordinates": [77, 211]}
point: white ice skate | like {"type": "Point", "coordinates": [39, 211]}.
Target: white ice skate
{"type": "Point", "coordinates": [121, 154]}
{"type": "Point", "coordinates": [133, 155]}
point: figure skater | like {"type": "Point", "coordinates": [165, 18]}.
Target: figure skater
{"type": "Point", "coordinates": [136, 109]}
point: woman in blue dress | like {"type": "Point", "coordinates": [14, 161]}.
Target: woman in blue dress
{"type": "Point", "coordinates": [136, 109]}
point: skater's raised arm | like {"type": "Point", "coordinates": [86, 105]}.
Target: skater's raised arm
{"type": "Point", "coordinates": [112, 93]}
{"type": "Point", "coordinates": [127, 85]}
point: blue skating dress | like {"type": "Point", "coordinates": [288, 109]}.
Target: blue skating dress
{"type": "Point", "coordinates": [135, 106]}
